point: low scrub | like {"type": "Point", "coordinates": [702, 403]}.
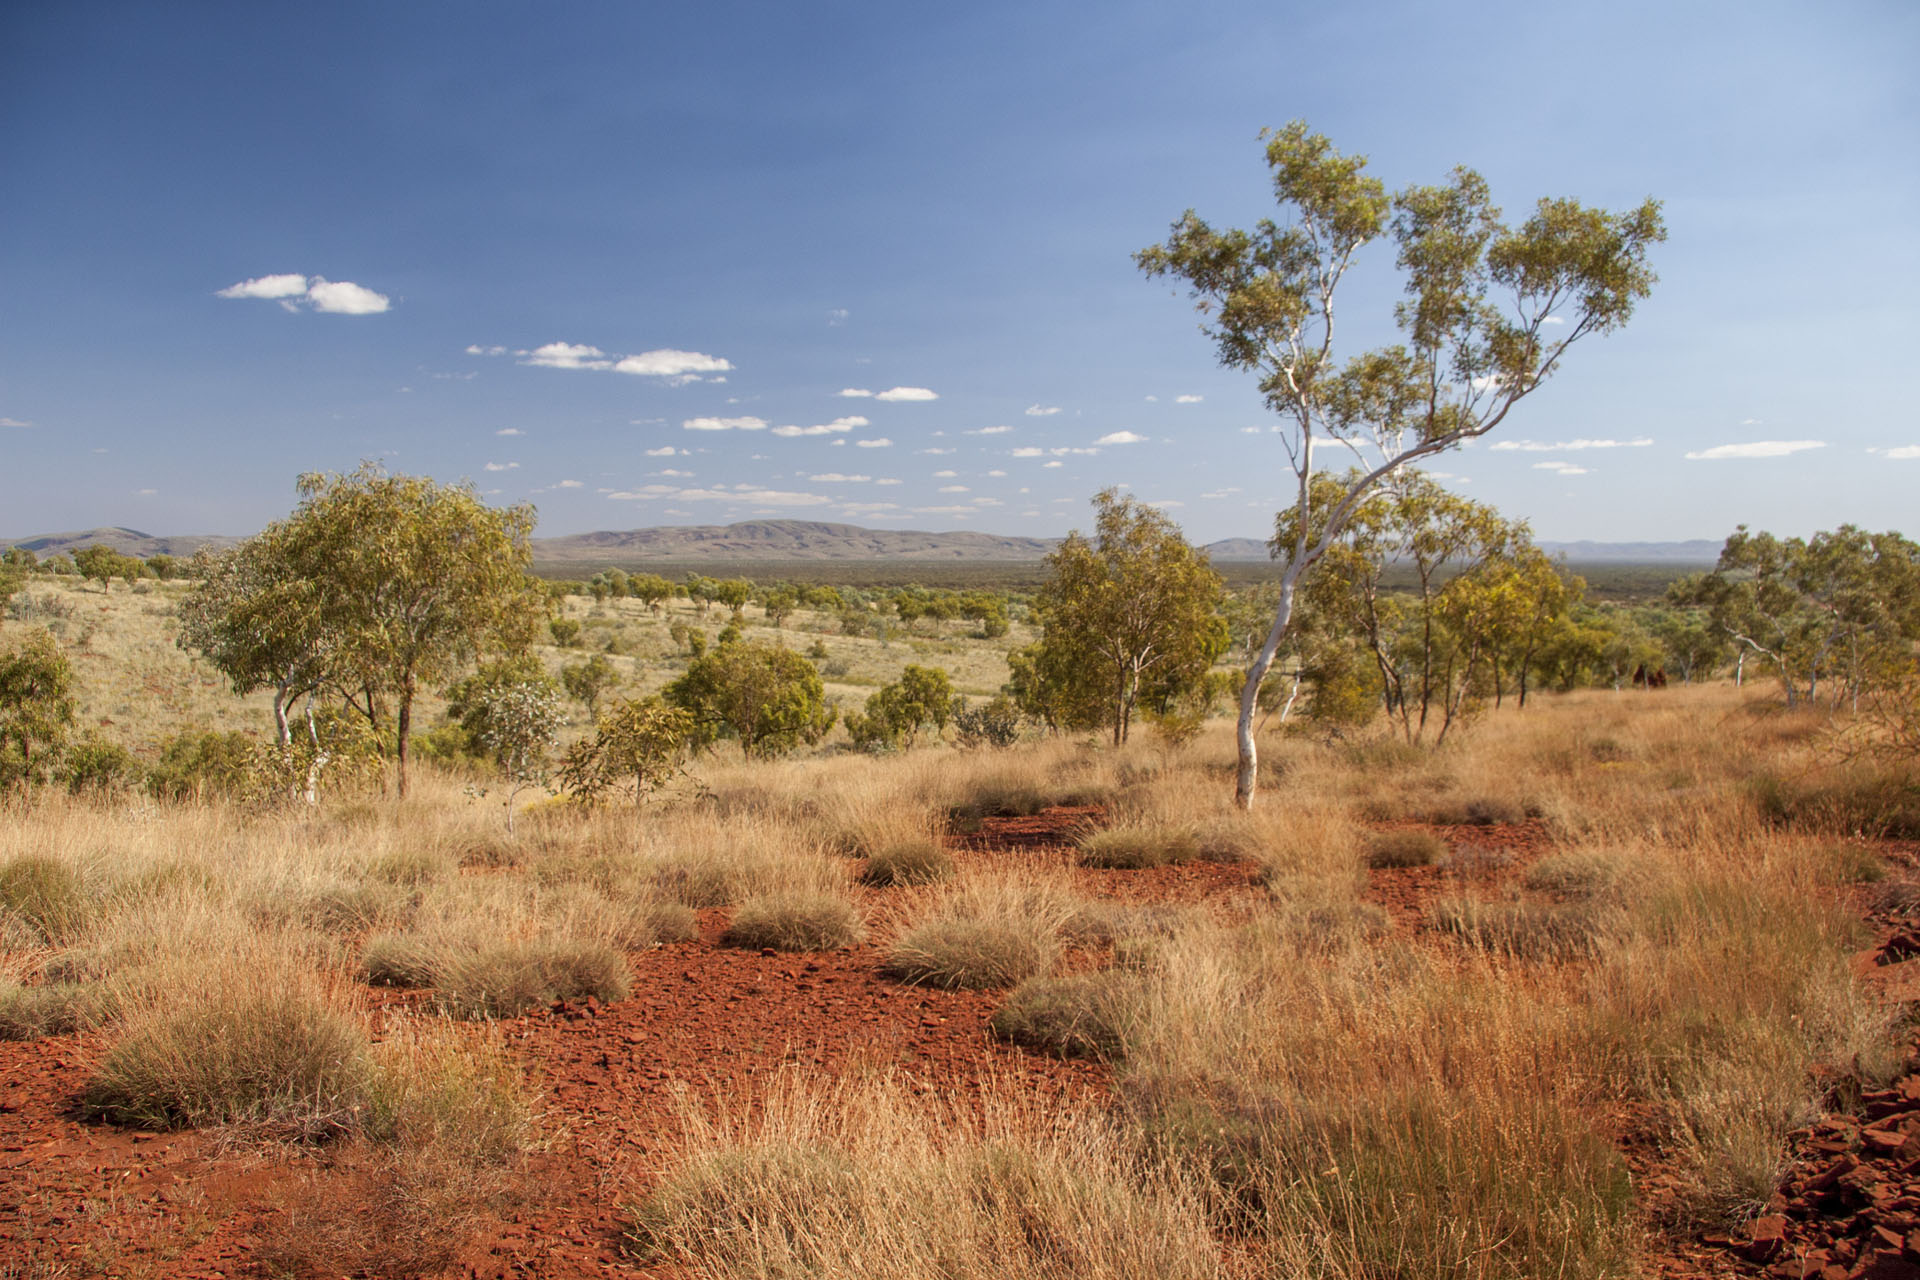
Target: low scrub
{"type": "Point", "coordinates": [910, 862]}
{"type": "Point", "coordinates": [1082, 1015]}
{"type": "Point", "coordinates": [509, 978]}
{"type": "Point", "coordinates": [989, 931]}
{"type": "Point", "coordinates": [50, 1009]}
{"type": "Point", "coordinates": [1137, 848]}
{"type": "Point", "coordinates": [1520, 930]}
{"type": "Point", "coordinates": [46, 896]}
{"type": "Point", "coordinates": [1855, 799]}
{"type": "Point", "coordinates": [811, 922]}
{"type": "Point", "coordinates": [1406, 849]}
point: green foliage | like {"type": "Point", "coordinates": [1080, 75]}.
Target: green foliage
{"type": "Point", "coordinates": [512, 709]}
{"type": "Point", "coordinates": [36, 706]}
{"type": "Point", "coordinates": [1131, 616]}
{"type": "Point", "coordinates": [994, 723]}
{"type": "Point", "coordinates": [102, 564]}
{"type": "Point", "coordinates": [637, 743]}
{"type": "Point", "coordinates": [896, 714]}
{"type": "Point", "coordinates": [769, 698]}
{"type": "Point", "coordinates": [565, 631]}
{"type": "Point", "coordinates": [586, 682]}
{"type": "Point", "coordinates": [204, 764]}
{"type": "Point", "coordinates": [96, 766]}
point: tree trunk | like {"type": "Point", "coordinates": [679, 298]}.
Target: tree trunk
{"type": "Point", "coordinates": [404, 726]}
{"type": "Point", "coordinates": [1246, 778]}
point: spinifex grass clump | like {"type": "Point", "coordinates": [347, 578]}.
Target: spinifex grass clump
{"type": "Point", "coordinates": [1135, 848]}
{"type": "Point", "coordinates": [869, 1180]}
{"type": "Point", "coordinates": [910, 862]}
{"type": "Point", "coordinates": [1406, 849]}
{"type": "Point", "coordinates": [50, 1009]}
{"type": "Point", "coordinates": [807, 922]}
{"type": "Point", "coordinates": [45, 896]}
{"type": "Point", "coordinates": [990, 931]}
{"type": "Point", "coordinates": [1523, 930]}
{"type": "Point", "coordinates": [1081, 1015]}
{"type": "Point", "coordinates": [475, 978]}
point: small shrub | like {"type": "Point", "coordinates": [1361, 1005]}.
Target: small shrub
{"type": "Point", "coordinates": [204, 764]}
{"type": "Point", "coordinates": [695, 884]}
{"type": "Point", "coordinates": [1406, 849]}
{"type": "Point", "coordinates": [1083, 1015]}
{"type": "Point", "coordinates": [910, 862]}
{"type": "Point", "coordinates": [410, 867]}
{"type": "Point", "coordinates": [1522, 930]}
{"type": "Point", "coordinates": [1856, 800]}
{"type": "Point", "coordinates": [399, 960]}
{"type": "Point", "coordinates": [53, 1009]}
{"type": "Point", "coordinates": [1576, 873]}
{"type": "Point", "coordinates": [805, 922]}
{"type": "Point", "coordinates": [94, 766]}
{"type": "Point", "coordinates": [995, 724]}
{"type": "Point", "coordinates": [970, 952]}
{"type": "Point", "coordinates": [1850, 864]}
{"type": "Point", "coordinates": [45, 894]}
{"type": "Point", "coordinates": [1137, 848]}
{"type": "Point", "coordinates": [509, 978]}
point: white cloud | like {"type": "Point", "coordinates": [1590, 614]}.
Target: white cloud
{"type": "Point", "coordinates": [568, 484]}
{"type": "Point", "coordinates": [905, 393]}
{"type": "Point", "coordinates": [986, 502]}
{"type": "Point", "coordinates": [1756, 449]}
{"type": "Point", "coordinates": [1029, 451]}
{"type": "Point", "coordinates": [282, 286]}
{"type": "Point", "coordinates": [945, 475]}
{"type": "Point", "coordinates": [509, 431]}
{"type": "Point", "coordinates": [1121, 437]}
{"type": "Point", "coordinates": [878, 442]}
{"type": "Point", "coordinates": [868, 508]}
{"type": "Point", "coordinates": [664, 451]}
{"type": "Point", "coordinates": [13, 422]}
{"type": "Point", "coordinates": [954, 488]}
{"type": "Point", "coordinates": [837, 317]}
{"type": "Point", "coordinates": [836, 427]}
{"type": "Point", "coordinates": [148, 493]}
{"type": "Point", "coordinates": [887, 480]}
{"type": "Point", "coordinates": [935, 451]}
{"type": "Point", "coordinates": [997, 474]}
{"type": "Point", "coordinates": [475, 349]}
{"type": "Point", "coordinates": [1042, 410]}
{"type": "Point", "coordinates": [854, 392]}
{"type": "Point", "coordinates": [337, 297]}
{"type": "Point", "coordinates": [1558, 468]}
{"type": "Point", "coordinates": [503, 466]}
{"type": "Point", "coordinates": [1563, 446]}
{"type": "Point", "coordinates": [669, 363]}
{"type": "Point", "coordinates": [345, 298]}
{"type": "Point", "coordinates": [1188, 399]}
{"type": "Point", "coordinates": [1750, 422]}
{"type": "Point", "coordinates": [1167, 504]}
{"type": "Point", "coordinates": [759, 497]}
{"type": "Point", "coordinates": [724, 424]}
{"type": "Point", "coordinates": [1551, 320]}
{"type": "Point", "coordinates": [1250, 431]}
{"type": "Point", "coordinates": [834, 477]}
{"type": "Point", "coordinates": [1068, 450]}
{"type": "Point", "coordinates": [674, 473]}
{"type": "Point", "coordinates": [1153, 399]}
{"type": "Point", "coordinates": [988, 431]}
{"type": "Point", "coordinates": [1055, 463]}
{"type": "Point", "coordinates": [944, 511]}
{"type": "Point", "coordinates": [1216, 494]}
{"type": "Point", "coordinates": [1900, 451]}
{"type": "Point", "coordinates": [568, 355]}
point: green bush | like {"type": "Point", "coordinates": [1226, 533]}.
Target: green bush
{"type": "Point", "coordinates": [95, 766]}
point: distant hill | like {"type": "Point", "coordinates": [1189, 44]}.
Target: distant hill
{"type": "Point", "coordinates": [128, 542]}
{"type": "Point", "coordinates": [785, 540]}
{"type": "Point", "coordinates": [802, 540]}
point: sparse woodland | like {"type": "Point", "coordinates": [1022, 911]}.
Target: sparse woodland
{"type": "Point", "coordinates": [983, 994]}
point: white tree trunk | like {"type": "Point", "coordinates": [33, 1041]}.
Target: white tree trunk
{"type": "Point", "coordinates": [1246, 780]}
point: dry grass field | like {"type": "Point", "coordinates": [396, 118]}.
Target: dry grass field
{"type": "Point", "coordinates": [1553, 1001]}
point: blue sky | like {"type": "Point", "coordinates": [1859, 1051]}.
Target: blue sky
{"type": "Point", "coordinates": [626, 261]}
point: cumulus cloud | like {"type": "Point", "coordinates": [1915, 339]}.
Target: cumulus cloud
{"type": "Point", "coordinates": [855, 393]}
{"type": "Point", "coordinates": [664, 451]}
{"type": "Point", "coordinates": [887, 480]}
{"type": "Point", "coordinates": [954, 488]}
{"type": "Point", "coordinates": [1551, 320]}
{"type": "Point", "coordinates": [742, 494]}
{"type": "Point", "coordinates": [935, 451]}
{"type": "Point", "coordinates": [836, 427]}
{"type": "Point", "coordinates": [674, 473]}
{"type": "Point", "coordinates": [1070, 451]}
{"type": "Point", "coordinates": [475, 349]}
{"type": "Point", "coordinates": [567, 355]}
{"type": "Point", "coordinates": [878, 442]}
{"type": "Point", "coordinates": [997, 474]}
{"type": "Point", "coordinates": [503, 466]}
{"type": "Point", "coordinates": [568, 484]}
{"type": "Point", "coordinates": [943, 511]}
{"type": "Point", "coordinates": [905, 393]}
{"type": "Point", "coordinates": [345, 298]}
{"type": "Point", "coordinates": [834, 477]}
{"type": "Point", "coordinates": [509, 431]}
{"type": "Point", "coordinates": [945, 475]}
{"type": "Point", "coordinates": [1042, 410]}
{"type": "Point", "coordinates": [988, 431]}
{"type": "Point", "coordinates": [1055, 463]}
{"type": "Point", "coordinates": [1029, 451]}
{"type": "Point", "coordinates": [868, 508]}
{"type": "Point", "coordinates": [1167, 504]}
{"type": "Point", "coordinates": [1564, 446]}
{"type": "Point", "coordinates": [336, 297]}
{"type": "Point", "coordinates": [1121, 437]}
{"type": "Point", "coordinates": [724, 424]}
{"type": "Point", "coordinates": [1756, 449]}
{"type": "Point", "coordinates": [837, 317]}
{"type": "Point", "coordinates": [1558, 468]}
{"type": "Point", "coordinates": [1899, 451]}
{"type": "Point", "coordinates": [1188, 399]}
{"type": "Point", "coordinates": [669, 363]}
{"type": "Point", "coordinates": [14, 422]}
{"type": "Point", "coordinates": [1750, 422]}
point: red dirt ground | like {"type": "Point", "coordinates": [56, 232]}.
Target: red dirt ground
{"type": "Point", "coordinates": [82, 1199]}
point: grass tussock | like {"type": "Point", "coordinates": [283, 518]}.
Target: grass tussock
{"type": "Point", "coordinates": [29, 1012]}
{"type": "Point", "coordinates": [1521, 930]}
{"type": "Point", "coordinates": [1137, 848]}
{"type": "Point", "coordinates": [989, 931]}
{"type": "Point", "coordinates": [867, 1180]}
{"type": "Point", "coordinates": [44, 897]}
{"type": "Point", "coordinates": [1082, 1015]}
{"type": "Point", "coordinates": [920, 861]}
{"type": "Point", "coordinates": [814, 922]}
{"type": "Point", "coordinates": [1409, 848]}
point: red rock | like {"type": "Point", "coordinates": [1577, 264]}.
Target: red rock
{"type": "Point", "coordinates": [1769, 1237]}
{"type": "Point", "coordinates": [1881, 1264]}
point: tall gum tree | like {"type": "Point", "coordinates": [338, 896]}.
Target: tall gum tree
{"type": "Point", "coordinates": [1488, 313]}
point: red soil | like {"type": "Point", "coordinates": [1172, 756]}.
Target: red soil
{"type": "Point", "coordinates": [714, 1024]}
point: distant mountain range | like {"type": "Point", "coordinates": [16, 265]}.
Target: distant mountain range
{"type": "Point", "coordinates": [817, 540]}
